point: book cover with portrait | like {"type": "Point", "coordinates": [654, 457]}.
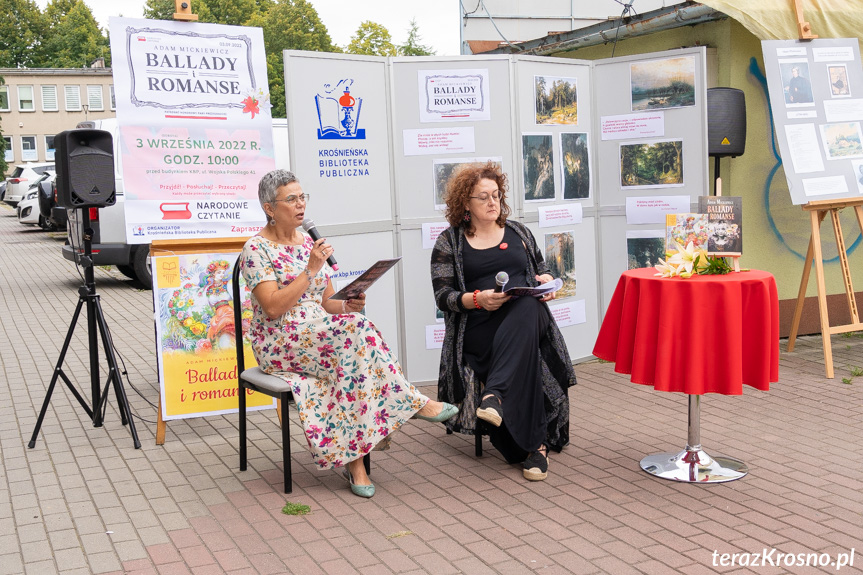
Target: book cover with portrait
{"type": "Point", "coordinates": [724, 224]}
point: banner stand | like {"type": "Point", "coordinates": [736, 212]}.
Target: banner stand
{"type": "Point", "coordinates": [818, 210]}
{"type": "Point", "coordinates": [186, 247]}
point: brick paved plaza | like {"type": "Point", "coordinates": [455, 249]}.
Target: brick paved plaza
{"type": "Point", "coordinates": [85, 501]}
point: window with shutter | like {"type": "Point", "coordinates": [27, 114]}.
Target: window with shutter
{"type": "Point", "coordinates": [49, 99]}
{"type": "Point", "coordinates": [73, 98]}
{"type": "Point", "coordinates": [94, 98]}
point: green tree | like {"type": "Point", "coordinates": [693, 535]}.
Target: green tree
{"type": "Point", "coordinates": [76, 40]}
{"type": "Point", "coordinates": [412, 46]}
{"type": "Point", "coordinates": [289, 25]}
{"type": "Point", "coordinates": [232, 12]}
{"type": "Point", "coordinates": [372, 39]}
{"type": "Point", "coordinates": [56, 9]}
{"type": "Point", "coordinates": [22, 28]}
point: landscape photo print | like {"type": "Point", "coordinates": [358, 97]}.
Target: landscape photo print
{"type": "Point", "coordinates": [656, 164]}
{"type": "Point", "coordinates": [661, 84]}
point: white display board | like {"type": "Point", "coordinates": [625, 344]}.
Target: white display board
{"type": "Point", "coordinates": [651, 121]}
{"type": "Point", "coordinates": [426, 151]}
{"type": "Point", "coordinates": [439, 112]}
{"type": "Point", "coordinates": [554, 106]}
{"type": "Point", "coordinates": [816, 96]}
{"type": "Point", "coordinates": [337, 107]}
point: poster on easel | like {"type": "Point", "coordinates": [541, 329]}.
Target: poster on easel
{"type": "Point", "coordinates": [816, 96]}
{"type": "Point", "coordinates": [195, 127]}
{"type": "Point", "coordinates": [195, 335]}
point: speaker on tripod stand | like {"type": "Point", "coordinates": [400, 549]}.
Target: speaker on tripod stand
{"type": "Point", "coordinates": [85, 179]}
{"type": "Point", "coordinates": [726, 125]}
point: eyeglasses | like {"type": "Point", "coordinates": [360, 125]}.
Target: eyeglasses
{"type": "Point", "coordinates": [292, 199]}
{"type": "Point", "coordinates": [483, 197]}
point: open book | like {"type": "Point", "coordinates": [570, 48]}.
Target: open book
{"type": "Point", "coordinates": [365, 280]}
{"type": "Point", "coordinates": [538, 291]}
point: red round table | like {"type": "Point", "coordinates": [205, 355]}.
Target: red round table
{"type": "Point", "coordinates": [704, 334]}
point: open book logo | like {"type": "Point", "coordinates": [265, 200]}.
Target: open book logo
{"type": "Point", "coordinates": [339, 112]}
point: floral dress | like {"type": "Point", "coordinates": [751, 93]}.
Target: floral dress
{"type": "Point", "coordinates": [356, 394]}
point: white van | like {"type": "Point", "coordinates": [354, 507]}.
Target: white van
{"type": "Point", "coordinates": [109, 223]}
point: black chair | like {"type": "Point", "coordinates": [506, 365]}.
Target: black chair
{"type": "Point", "coordinates": [256, 379]}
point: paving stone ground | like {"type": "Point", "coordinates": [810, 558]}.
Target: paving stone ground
{"type": "Point", "coordinates": [84, 501]}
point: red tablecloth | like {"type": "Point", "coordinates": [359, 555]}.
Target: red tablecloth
{"type": "Point", "coordinates": [705, 334]}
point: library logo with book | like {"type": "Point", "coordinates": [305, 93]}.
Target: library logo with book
{"type": "Point", "coordinates": [339, 112]}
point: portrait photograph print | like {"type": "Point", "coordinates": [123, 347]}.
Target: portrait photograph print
{"type": "Point", "coordinates": [838, 75]}
{"type": "Point", "coordinates": [661, 84]}
{"type": "Point", "coordinates": [556, 100]}
{"type": "Point", "coordinates": [538, 162]}
{"type": "Point", "coordinates": [796, 85]}
{"type": "Point", "coordinates": [857, 170]}
{"type": "Point", "coordinates": [842, 140]}
{"type": "Point", "coordinates": [651, 164]}
{"type": "Point", "coordinates": [560, 257]}
{"type": "Point", "coordinates": [444, 169]}
{"type": "Point", "coordinates": [644, 248]}
{"type": "Point", "coordinates": [575, 161]}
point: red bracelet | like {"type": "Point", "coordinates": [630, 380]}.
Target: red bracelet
{"type": "Point", "coordinates": [476, 303]}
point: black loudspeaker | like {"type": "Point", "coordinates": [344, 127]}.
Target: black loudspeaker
{"type": "Point", "coordinates": [726, 122]}
{"type": "Point", "coordinates": [85, 168]}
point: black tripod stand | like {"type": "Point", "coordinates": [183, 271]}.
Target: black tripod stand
{"type": "Point", "coordinates": [95, 318]}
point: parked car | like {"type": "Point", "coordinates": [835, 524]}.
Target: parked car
{"type": "Point", "coordinates": [2, 189]}
{"type": "Point", "coordinates": [29, 209]}
{"type": "Point", "coordinates": [55, 216]}
{"type": "Point", "coordinates": [22, 177]}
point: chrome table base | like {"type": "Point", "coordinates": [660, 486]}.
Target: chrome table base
{"type": "Point", "coordinates": [693, 465]}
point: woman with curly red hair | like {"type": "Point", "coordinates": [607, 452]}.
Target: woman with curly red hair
{"type": "Point", "coordinates": [512, 345]}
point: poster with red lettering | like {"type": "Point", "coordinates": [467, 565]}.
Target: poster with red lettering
{"type": "Point", "coordinates": [195, 129]}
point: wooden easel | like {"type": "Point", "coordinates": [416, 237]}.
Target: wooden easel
{"type": "Point", "coordinates": [818, 210]}
{"type": "Point", "coordinates": [803, 27]}
{"type": "Point", "coordinates": [190, 246]}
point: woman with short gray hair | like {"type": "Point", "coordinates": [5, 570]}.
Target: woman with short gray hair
{"type": "Point", "coordinates": [356, 395]}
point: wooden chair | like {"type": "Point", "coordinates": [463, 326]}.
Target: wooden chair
{"type": "Point", "coordinates": [256, 379]}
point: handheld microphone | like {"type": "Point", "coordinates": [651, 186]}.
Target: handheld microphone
{"type": "Point", "coordinates": [310, 228]}
{"type": "Point", "coordinates": [500, 279]}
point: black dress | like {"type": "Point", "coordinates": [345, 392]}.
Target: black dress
{"type": "Point", "coordinates": [502, 347]}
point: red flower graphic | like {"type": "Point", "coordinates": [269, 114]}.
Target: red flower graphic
{"type": "Point", "coordinates": [250, 104]}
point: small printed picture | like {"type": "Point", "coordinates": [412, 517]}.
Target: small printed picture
{"type": "Point", "coordinates": [661, 84]}
{"type": "Point", "coordinates": [560, 257]}
{"type": "Point", "coordinates": [438, 315]}
{"type": "Point", "coordinates": [651, 164]}
{"type": "Point", "coordinates": [857, 167]}
{"type": "Point", "coordinates": [556, 100]}
{"type": "Point", "coordinates": [444, 169]}
{"type": "Point", "coordinates": [538, 162]}
{"type": "Point", "coordinates": [795, 82]}
{"type": "Point", "coordinates": [842, 140]}
{"type": "Point", "coordinates": [575, 161]}
{"type": "Point", "coordinates": [644, 248]}
{"type": "Point", "coordinates": [838, 75]}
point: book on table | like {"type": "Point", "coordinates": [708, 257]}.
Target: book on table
{"type": "Point", "coordinates": [681, 229]}
{"type": "Point", "coordinates": [724, 224]}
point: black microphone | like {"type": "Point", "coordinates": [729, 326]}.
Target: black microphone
{"type": "Point", "coordinates": [310, 228]}
{"type": "Point", "coordinates": [500, 279]}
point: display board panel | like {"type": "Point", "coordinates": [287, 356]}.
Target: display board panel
{"type": "Point", "coordinates": [554, 105]}
{"type": "Point", "coordinates": [816, 97]}
{"type": "Point", "coordinates": [576, 307]}
{"type": "Point", "coordinates": [447, 112]}
{"type": "Point", "coordinates": [652, 125]}
{"type": "Point", "coordinates": [338, 117]}
{"type": "Point", "coordinates": [355, 252]}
